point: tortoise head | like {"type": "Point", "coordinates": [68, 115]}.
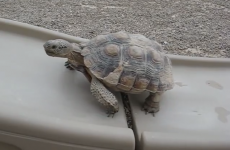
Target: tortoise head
{"type": "Point", "coordinates": [58, 48]}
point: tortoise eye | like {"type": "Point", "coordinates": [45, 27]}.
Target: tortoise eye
{"type": "Point", "coordinates": [53, 47]}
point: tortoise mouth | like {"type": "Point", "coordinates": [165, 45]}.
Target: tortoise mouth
{"type": "Point", "coordinates": [49, 53]}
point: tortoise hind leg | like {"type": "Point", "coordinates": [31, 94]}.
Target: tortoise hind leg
{"type": "Point", "coordinates": [151, 104]}
{"type": "Point", "coordinates": [104, 96]}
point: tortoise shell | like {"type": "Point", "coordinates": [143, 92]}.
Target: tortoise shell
{"type": "Point", "coordinates": [130, 63]}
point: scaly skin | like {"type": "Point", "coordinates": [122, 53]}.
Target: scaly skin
{"type": "Point", "coordinates": [104, 96]}
{"type": "Point", "coordinates": [151, 104]}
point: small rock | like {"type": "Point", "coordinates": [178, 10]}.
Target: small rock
{"type": "Point", "coordinates": [222, 52]}
{"type": "Point", "coordinates": [92, 32]}
{"type": "Point", "coordinates": [152, 37]}
{"type": "Point", "coordinates": [193, 50]}
{"type": "Point", "coordinates": [164, 43]}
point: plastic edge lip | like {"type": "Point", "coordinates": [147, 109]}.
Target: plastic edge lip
{"type": "Point", "coordinates": [71, 132]}
{"type": "Point", "coordinates": [42, 30]}
{"type": "Point", "coordinates": [182, 141]}
{"type": "Point", "coordinates": [197, 59]}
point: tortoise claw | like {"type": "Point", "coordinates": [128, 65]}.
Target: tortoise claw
{"type": "Point", "coordinates": [149, 110]}
{"type": "Point", "coordinates": [68, 66]}
{"type": "Point", "coordinates": [66, 63]}
{"type": "Point", "coordinates": [110, 114]}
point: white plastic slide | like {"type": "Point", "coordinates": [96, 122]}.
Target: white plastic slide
{"type": "Point", "coordinates": [43, 105]}
{"type": "Point", "coordinates": [194, 115]}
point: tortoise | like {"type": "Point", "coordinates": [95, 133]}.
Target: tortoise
{"type": "Point", "coordinates": [119, 61]}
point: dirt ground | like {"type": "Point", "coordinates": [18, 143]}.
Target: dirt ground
{"type": "Point", "coordinates": [194, 28]}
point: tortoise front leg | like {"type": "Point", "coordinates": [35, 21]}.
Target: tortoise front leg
{"type": "Point", "coordinates": [83, 70]}
{"type": "Point", "coordinates": [104, 97]}
{"type": "Point", "coordinates": [68, 65]}
{"type": "Point", "coordinates": [151, 104]}
{"type": "Point", "coordinates": [79, 68]}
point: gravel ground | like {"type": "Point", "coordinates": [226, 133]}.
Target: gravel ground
{"type": "Point", "coordinates": [193, 28]}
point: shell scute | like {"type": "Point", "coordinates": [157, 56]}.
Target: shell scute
{"type": "Point", "coordinates": [112, 50]}
{"type": "Point", "coordinates": [141, 83]}
{"type": "Point", "coordinates": [153, 85]}
{"type": "Point", "coordinates": [127, 78]}
{"type": "Point", "coordinates": [136, 52]}
{"type": "Point", "coordinates": [120, 36]}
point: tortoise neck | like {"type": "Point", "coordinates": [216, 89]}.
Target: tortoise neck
{"type": "Point", "coordinates": [77, 57]}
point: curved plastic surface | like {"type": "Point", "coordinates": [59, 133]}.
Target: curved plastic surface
{"type": "Point", "coordinates": [41, 99]}
{"type": "Point", "coordinates": [195, 114]}
{"type": "Point", "coordinates": [181, 141]}
{"type": "Point", "coordinates": [5, 146]}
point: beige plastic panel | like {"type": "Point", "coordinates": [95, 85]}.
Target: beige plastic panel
{"type": "Point", "coordinates": [4, 146]}
{"type": "Point", "coordinates": [194, 115]}
{"type": "Point", "coordinates": [41, 99]}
